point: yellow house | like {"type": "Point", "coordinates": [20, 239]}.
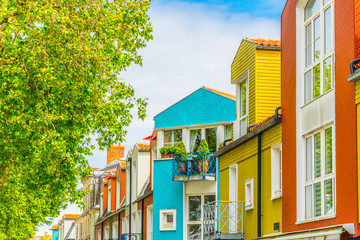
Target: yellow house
{"type": "Point", "coordinates": [250, 166]}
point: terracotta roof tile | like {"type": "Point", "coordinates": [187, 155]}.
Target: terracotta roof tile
{"type": "Point", "coordinates": [113, 172]}
{"type": "Point", "coordinates": [123, 164]}
{"type": "Point", "coordinates": [266, 41]}
{"type": "Point", "coordinates": [56, 227]}
{"type": "Point", "coordinates": [143, 146]}
{"type": "Point", "coordinates": [262, 122]}
{"type": "Point", "coordinates": [71, 216]}
{"type": "Point", "coordinates": [228, 95]}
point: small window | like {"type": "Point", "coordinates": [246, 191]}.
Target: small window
{"type": "Point", "coordinates": [172, 137]}
{"type": "Point", "coordinates": [276, 178]}
{"type": "Point", "coordinates": [167, 219]}
{"type": "Point", "coordinates": [249, 194]}
{"type": "Point", "coordinates": [228, 132]}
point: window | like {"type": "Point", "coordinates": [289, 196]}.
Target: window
{"type": "Point", "coordinates": [320, 174]}
{"type": "Point", "coordinates": [101, 204]}
{"type": "Point", "coordinates": [243, 117]}
{"type": "Point", "coordinates": [249, 194]}
{"type": "Point", "coordinates": [118, 200]}
{"type": "Point", "coordinates": [106, 237]}
{"type": "Point", "coordinates": [109, 198]}
{"type": "Point", "coordinates": [195, 214]}
{"type": "Point", "coordinates": [99, 235]}
{"type": "Point", "coordinates": [149, 224]}
{"type": "Point", "coordinates": [228, 132]}
{"type": "Point", "coordinates": [195, 138]}
{"type": "Point", "coordinates": [114, 230]}
{"type": "Point", "coordinates": [319, 50]}
{"type": "Point", "coordinates": [167, 219]}
{"type": "Point", "coordinates": [276, 178]}
{"type": "Point", "coordinates": [210, 136]}
{"type": "Point", "coordinates": [172, 137]}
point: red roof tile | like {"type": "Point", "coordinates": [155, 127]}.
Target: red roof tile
{"type": "Point", "coordinates": [143, 146]}
{"type": "Point", "coordinates": [266, 41]}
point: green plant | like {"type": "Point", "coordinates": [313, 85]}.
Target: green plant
{"type": "Point", "coordinates": [203, 146]}
{"type": "Point", "coordinates": [181, 151]}
{"type": "Point", "coordinates": [167, 150]}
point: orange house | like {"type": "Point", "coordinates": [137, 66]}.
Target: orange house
{"type": "Point", "coordinates": [319, 149]}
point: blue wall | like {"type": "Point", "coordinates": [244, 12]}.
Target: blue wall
{"type": "Point", "coordinates": [200, 107]}
{"type": "Point", "coordinates": [167, 195]}
{"type": "Point", "coordinates": [55, 234]}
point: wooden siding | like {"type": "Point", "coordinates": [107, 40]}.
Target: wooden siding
{"type": "Point", "coordinates": [245, 156]}
{"type": "Point", "coordinates": [357, 92]}
{"type": "Point", "coordinates": [245, 60]}
{"type": "Point", "coordinates": [267, 83]}
{"type": "Point", "coordinates": [357, 28]}
{"type": "Point", "coordinates": [345, 119]}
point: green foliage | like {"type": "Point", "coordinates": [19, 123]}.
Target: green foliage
{"type": "Point", "coordinates": [59, 68]}
{"type": "Point", "coordinates": [180, 149]}
{"type": "Point", "coordinates": [203, 146]}
{"type": "Point", "coordinates": [167, 150]}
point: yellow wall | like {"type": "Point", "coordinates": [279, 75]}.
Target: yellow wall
{"type": "Point", "coordinates": [267, 83]}
{"type": "Point", "coordinates": [245, 60]}
{"type": "Point", "coordinates": [245, 156]}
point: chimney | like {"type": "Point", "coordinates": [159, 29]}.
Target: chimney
{"type": "Point", "coordinates": [115, 153]}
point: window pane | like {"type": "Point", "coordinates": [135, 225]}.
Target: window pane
{"type": "Point", "coordinates": [316, 28]}
{"type": "Point", "coordinates": [327, 74]}
{"type": "Point", "coordinates": [210, 135]}
{"type": "Point", "coordinates": [317, 155]}
{"type": "Point", "coordinates": [317, 199]}
{"type": "Point", "coordinates": [308, 35]}
{"type": "Point", "coordinates": [328, 36]}
{"type": "Point", "coordinates": [329, 206]}
{"type": "Point", "coordinates": [311, 8]}
{"type": "Point", "coordinates": [328, 151]}
{"type": "Point", "coordinates": [167, 138]}
{"type": "Point", "coordinates": [317, 50]}
{"type": "Point", "coordinates": [308, 87]}
{"type": "Point", "coordinates": [243, 126]}
{"type": "Point", "coordinates": [316, 74]}
{"type": "Point", "coordinates": [308, 45]}
{"type": "Point", "coordinates": [308, 202]}
{"type": "Point", "coordinates": [243, 99]}
{"type": "Point", "coordinates": [194, 208]}
{"type": "Point", "coordinates": [195, 138]}
{"type": "Point", "coordinates": [209, 198]}
{"type": "Point", "coordinates": [177, 136]}
{"type": "Point", "coordinates": [308, 159]}
{"type": "Point", "coordinates": [194, 231]}
{"type": "Point", "coordinates": [308, 59]}
{"type": "Point", "coordinates": [228, 132]}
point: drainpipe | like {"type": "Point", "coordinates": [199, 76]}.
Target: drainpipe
{"type": "Point", "coordinates": [102, 230]}
{"type": "Point", "coordinates": [259, 187]}
{"type": "Point", "coordinates": [130, 161]}
{"type": "Point", "coordinates": [142, 219]}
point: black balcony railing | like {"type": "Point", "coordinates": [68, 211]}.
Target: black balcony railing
{"type": "Point", "coordinates": [194, 166]}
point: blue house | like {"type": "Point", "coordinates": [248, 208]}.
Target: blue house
{"type": "Point", "coordinates": [185, 182]}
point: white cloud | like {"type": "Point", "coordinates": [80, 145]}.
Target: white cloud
{"type": "Point", "coordinates": [193, 46]}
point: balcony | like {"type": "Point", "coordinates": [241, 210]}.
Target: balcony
{"type": "Point", "coordinates": [132, 236]}
{"type": "Point", "coordinates": [223, 220]}
{"type": "Point", "coordinates": [194, 166]}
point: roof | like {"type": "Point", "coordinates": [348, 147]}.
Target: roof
{"type": "Point", "coordinates": [266, 41]}
{"type": "Point", "coordinates": [203, 106]}
{"type": "Point", "coordinates": [109, 167]}
{"type": "Point", "coordinates": [71, 216]}
{"type": "Point", "coordinates": [143, 146]}
{"type": "Point", "coordinates": [228, 95]}
{"type": "Point", "coordinates": [56, 227]}
{"type": "Point", "coordinates": [123, 164]}
{"type": "Point", "coordinates": [262, 122]}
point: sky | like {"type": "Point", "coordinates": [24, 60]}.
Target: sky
{"type": "Point", "coordinates": [194, 45]}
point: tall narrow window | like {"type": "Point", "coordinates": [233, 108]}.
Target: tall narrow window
{"type": "Point", "coordinates": [243, 108]}
{"type": "Point", "coordinates": [276, 171]}
{"type": "Point", "coordinates": [319, 49]}
{"type": "Point", "coordinates": [210, 135]}
{"type": "Point", "coordinates": [195, 138]}
{"type": "Point", "coordinates": [228, 132]}
{"type": "Point", "coordinates": [320, 177]}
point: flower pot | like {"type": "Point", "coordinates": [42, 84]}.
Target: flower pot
{"type": "Point", "coordinates": [166, 155]}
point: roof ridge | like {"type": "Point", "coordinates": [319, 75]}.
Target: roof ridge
{"type": "Point", "coordinates": [222, 93]}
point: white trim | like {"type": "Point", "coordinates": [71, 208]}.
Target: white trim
{"type": "Point", "coordinates": [249, 194]}
{"type": "Point", "coordinates": [276, 171]}
{"type": "Point", "coordinates": [163, 224]}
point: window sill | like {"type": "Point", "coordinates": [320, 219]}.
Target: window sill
{"type": "Point", "coordinates": [315, 219]}
{"type": "Point", "coordinates": [249, 207]}
{"type": "Point", "coordinates": [308, 103]}
{"type": "Point", "coordinates": [276, 196]}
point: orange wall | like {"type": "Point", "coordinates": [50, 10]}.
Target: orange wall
{"type": "Point", "coordinates": [357, 28]}
{"type": "Point", "coordinates": [123, 184]}
{"type": "Point", "coordinates": [345, 118]}
{"type": "Point", "coordinates": [113, 194]}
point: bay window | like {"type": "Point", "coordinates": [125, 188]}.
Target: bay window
{"type": "Point", "coordinates": [319, 49]}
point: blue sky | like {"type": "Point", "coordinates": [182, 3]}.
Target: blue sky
{"type": "Point", "coordinates": [194, 45]}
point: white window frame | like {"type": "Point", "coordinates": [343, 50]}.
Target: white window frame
{"type": "Point", "coordinates": [101, 204]}
{"type": "Point", "coordinates": [172, 143]}
{"type": "Point", "coordinates": [249, 194]}
{"type": "Point", "coordinates": [323, 56]}
{"type": "Point", "coordinates": [107, 232]}
{"type": "Point", "coordinates": [114, 229]}
{"type": "Point", "coordinates": [149, 220]}
{"type": "Point", "coordinates": [276, 171]}
{"type": "Point", "coordinates": [164, 225]}
{"type": "Point", "coordinates": [109, 198]}
{"type": "Point", "coordinates": [117, 199]}
{"type": "Point", "coordinates": [237, 130]}
{"type": "Point", "coordinates": [323, 177]}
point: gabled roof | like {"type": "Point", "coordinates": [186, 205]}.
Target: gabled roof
{"type": "Point", "coordinates": [204, 106]}
{"type": "Point", "coordinates": [266, 41]}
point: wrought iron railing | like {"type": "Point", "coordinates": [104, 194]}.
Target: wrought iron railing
{"type": "Point", "coordinates": [133, 236]}
{"type": "Point", "coordinates": [201, 164]}
{"type": "Point", "coordinates": [223, 218]}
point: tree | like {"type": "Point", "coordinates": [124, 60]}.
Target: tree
{"type": "Point", "coordinates": [59, 67]}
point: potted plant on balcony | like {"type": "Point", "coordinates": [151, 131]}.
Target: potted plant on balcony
{"type": "Point", "coordinates": [181, 157]}
{"type": "Point", "coordinates": [166, 152]}
{"type": "Point", "coordinates": [203, 155]}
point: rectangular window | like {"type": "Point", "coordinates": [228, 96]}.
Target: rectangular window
{"type": "Point", "coordinates": [172, 137]}
{"type": "Point", "coordinates": [210, 136]}
{"type": "Point", "coordinates": [319, 49]}
{"type": "Point", "coordinates": [228, 132]}
{"type": "Point", "coordinates": [195, 138]}
{"type": "Point", "coordinates": [243, 108]}
{"type": "Point", "coordinates": [276, 171]}
{"type": "Point", "coordinates": [109, 199]}
{"type": "Point", "coordinates": [249, 194]}
{"type": "Point", "coordinates": [320, 177]}
{"type": "Point", "coordinates": [167, 219]}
